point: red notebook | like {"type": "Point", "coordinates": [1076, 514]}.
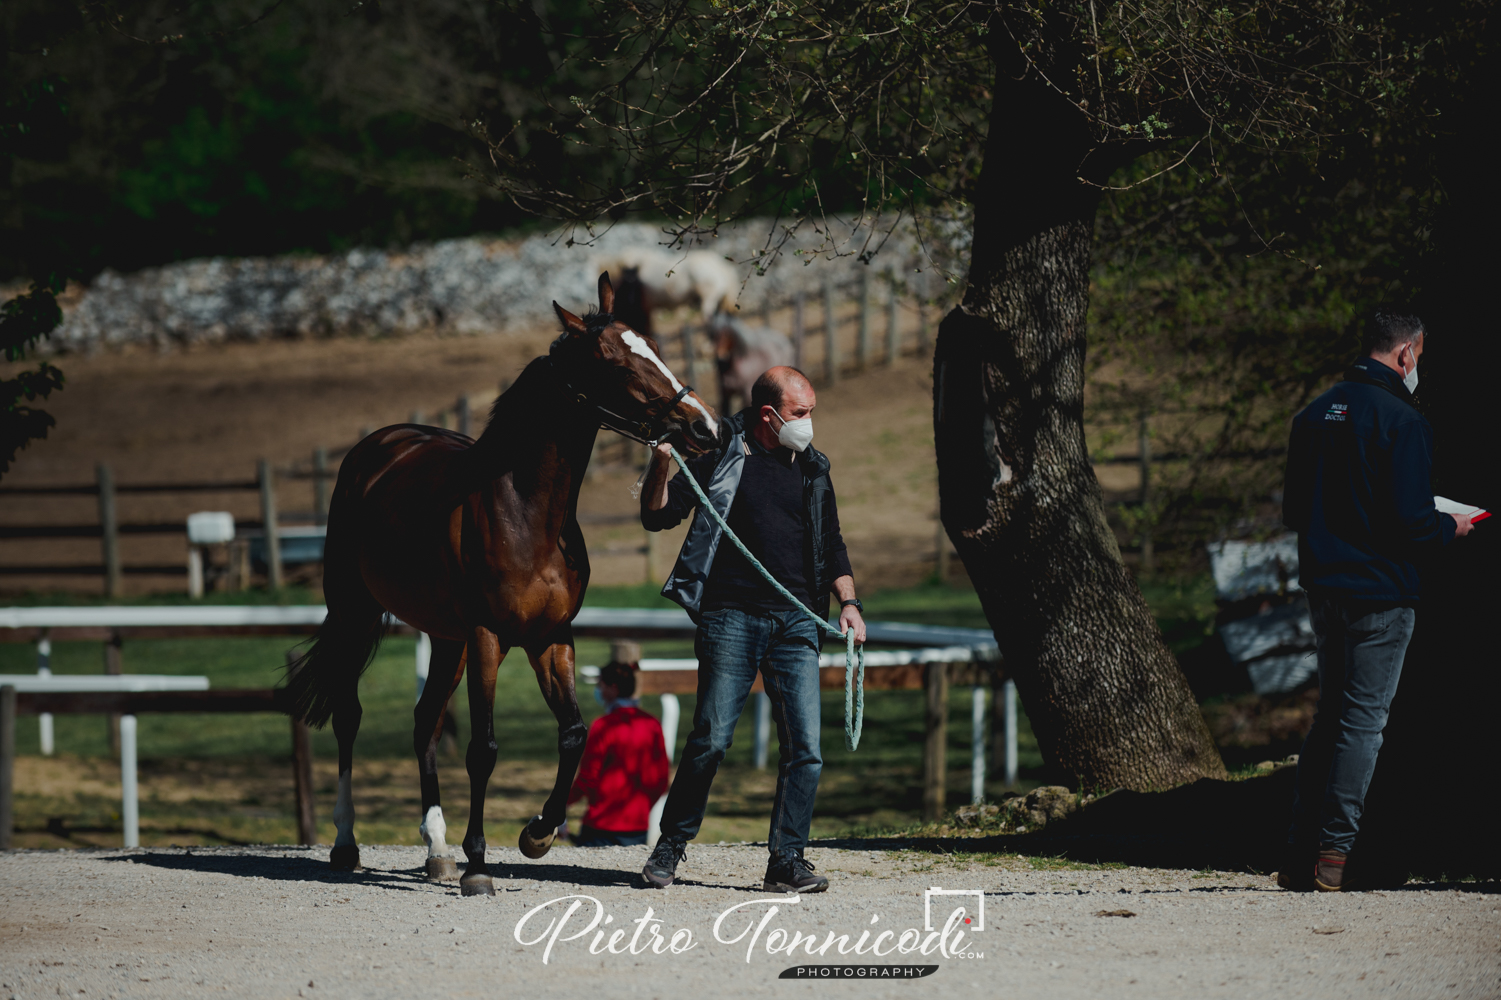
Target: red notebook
{"type": "Point", "coordinates": [1447, 506]}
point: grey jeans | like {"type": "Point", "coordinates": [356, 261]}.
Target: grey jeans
{"type": "Point", "coordinates": [1360, 661]}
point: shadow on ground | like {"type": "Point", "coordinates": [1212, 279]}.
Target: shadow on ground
{"type": "Point", "coordinates": [1223, 826]}
{"type": "Point", "coordinates": [312, 866]}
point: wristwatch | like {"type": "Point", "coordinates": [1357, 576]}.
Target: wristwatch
{"type": "Point", "coordinates": [856, 602]}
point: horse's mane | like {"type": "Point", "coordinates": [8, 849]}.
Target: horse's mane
{"type": "Point", "coordinates": [509, 409]}
{"type": "Point", "coordinates": [513, 408]}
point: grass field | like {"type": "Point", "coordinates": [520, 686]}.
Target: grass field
{"type": "Point", "coordinates": [226, 778]}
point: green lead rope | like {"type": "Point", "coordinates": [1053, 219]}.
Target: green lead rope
{"type": "Point", "coordinates": [854, 657]}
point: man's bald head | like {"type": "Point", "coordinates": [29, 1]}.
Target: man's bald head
{"type": "Point", "coordinates": [772, 387]}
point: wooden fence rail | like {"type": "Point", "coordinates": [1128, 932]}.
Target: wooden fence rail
{"type": "Point", "coordinates": [962, 655]}
{"type": "Point", "coordinates": [322, 467]}
{"type": "Point", "coordinates": [127, 705]}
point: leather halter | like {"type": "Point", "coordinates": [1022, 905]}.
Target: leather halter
{"type": "Point", "coordinates": [648, 432]}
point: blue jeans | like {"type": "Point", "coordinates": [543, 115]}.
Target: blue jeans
{"type": "Point", "coordinates": [732, 646]}
{"type": "Point", "coordinates": [1360, 661]}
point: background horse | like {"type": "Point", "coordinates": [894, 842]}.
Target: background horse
{"type": "Point", "coordinates": [633, 302]}
{"type": "Point", "coordinates": [477, 543]}
{"type": "Point", "coordinates": [698, 277]}
{"type": "Point", "coordinates": [744, 352]}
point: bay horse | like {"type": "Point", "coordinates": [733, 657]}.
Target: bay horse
{"type": "Point", "coordinates": [477, 543]}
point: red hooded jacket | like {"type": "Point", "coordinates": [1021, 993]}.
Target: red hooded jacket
{"type": "Point", "coordinates": [623, 771]}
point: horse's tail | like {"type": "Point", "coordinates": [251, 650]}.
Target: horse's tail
{"type": "Point", "coordinates": [331, 665]}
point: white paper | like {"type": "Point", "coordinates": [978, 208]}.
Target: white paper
{"type": "Point", "coordinates": [1447, 506]}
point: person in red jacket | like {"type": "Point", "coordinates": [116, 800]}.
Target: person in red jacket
{"type": "Point", "coordinates": [624, 769]}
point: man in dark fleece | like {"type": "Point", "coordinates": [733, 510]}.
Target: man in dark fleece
{"type": "Point", "coordinates": [1358, 494]}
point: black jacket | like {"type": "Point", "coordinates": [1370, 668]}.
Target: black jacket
{"type": "Point", "coordinates": [718, 472]}
{"type": "Point", "coordinates": [1357, 490]}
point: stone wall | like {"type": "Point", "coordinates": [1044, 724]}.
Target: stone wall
{"type": "Point", "coordinates": [463, 286]}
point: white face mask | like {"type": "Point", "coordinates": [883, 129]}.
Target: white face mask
{"type": "Point", "coordinates": [795, 434]}
{"type": "Point", "coordinates": [1410, 380]}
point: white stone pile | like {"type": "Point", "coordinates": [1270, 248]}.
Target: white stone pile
{"type": "Point", "coordinates": [461, 286]}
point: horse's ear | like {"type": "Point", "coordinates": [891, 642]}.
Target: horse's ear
{"type": "Point", "coordinates": [606, 293]}
{"type": "Point", "coordinates": [571, 323]}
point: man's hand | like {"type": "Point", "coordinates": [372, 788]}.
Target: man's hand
{"type": "Point", "coordinates": [654, 495]}
{"type": "Point", "coordinates": [850, 618]}
{"type": "Point", "coordinates": [1462, 525]}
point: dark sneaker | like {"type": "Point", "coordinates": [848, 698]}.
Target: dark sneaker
{"type": "Point", "coordinates": [792, 873]}
{"type": "Point", "coordinates": [1329, 872]}
{"type": "Point", "coordinates": [1298, 880]}
{"type": "Point", "coordinates": [662, 867]}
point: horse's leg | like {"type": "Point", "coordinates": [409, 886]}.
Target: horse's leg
{"type": "Point", "coordinates": [485, 654]}
{"type": "Point", "coordinates": [345, 856]}
{"type": "Point", "coordinates": [553, 663]}
{"type": "Point", "coordinates": [444, 670]}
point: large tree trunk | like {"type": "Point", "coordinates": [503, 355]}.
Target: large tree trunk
{"type": "Point", "coordinates": [1104, 694]}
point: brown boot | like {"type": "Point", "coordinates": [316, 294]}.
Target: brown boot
{"type": "Point", "coordinates": [1329, 872]}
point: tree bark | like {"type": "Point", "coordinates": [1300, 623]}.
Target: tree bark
{"type": "Point", "coordinates": [1105, 696]}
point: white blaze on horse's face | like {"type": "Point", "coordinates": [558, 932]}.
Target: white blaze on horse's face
{"type": "Point", "coordinates": [639, 346]}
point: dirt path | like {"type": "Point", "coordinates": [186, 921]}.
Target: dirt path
{"type": "Point", "coordinates": [274, 922]}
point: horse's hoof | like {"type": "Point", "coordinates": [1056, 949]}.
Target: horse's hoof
{"type": "Point", "coordinates": [535, 847]}
{"type": "Point", "coordinates": [345, 858]}
{"type": "Point", "coordinates": [441, 870]}
{"type": "Point", "coordinates": [477, 885]}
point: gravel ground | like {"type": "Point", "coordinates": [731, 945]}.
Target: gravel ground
{"type": "Point", "coordinates": [275, 922]}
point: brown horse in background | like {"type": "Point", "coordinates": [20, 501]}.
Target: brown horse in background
{"type": "Point", "coordinates": [633, 303]}
{"type": "Point", "coordinates": [477, 543]}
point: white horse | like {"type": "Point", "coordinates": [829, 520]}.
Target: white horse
{"type": "Point", "coordinates": [698, 277]}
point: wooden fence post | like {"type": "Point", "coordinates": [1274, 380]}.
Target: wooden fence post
{"type": "Point", "coordinates": [109, 529]}
{"type": "Point", "coordinates": [935, 747]}
{"type": "Point", "coordinates": [1144, 447]}
{"type": "Point", "coordinates": [830, 332]}
{"type": "Point", "coordinates": [320, 485]}
{"type": "Point", "coordinates": [302, 775]}
{"type": "Point", "coordinates": [595, 459]}
{"type": "Point", "coordinates": [941, 544]}
{"type": "Point", "coordinates": [1008, 717]}
{"type": "Point", "coordinates": [862, 346]}
{"type": "Point", "coordinates": [7, 764]}
{"type": "Point", "coordinates": [268, 518]}
{"type": "Point", "coordinates": [114, 666]}
{"type": "Point", "coordinates": [461, 415]}
{"type": "Point", "coordinates": [893, 326]}
{"type": "Point", "coordinates": [922, 328]}
{"type": "Point", "coordinates": [302, 779]}
{"type": "Point", "coordinates": [799, 329]}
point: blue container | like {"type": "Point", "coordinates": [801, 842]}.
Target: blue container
{"type": "Point", "coordinates": [299, 547]}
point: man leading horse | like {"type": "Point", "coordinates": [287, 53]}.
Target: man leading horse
{"type": "Point", "coordinates": [773, 489]}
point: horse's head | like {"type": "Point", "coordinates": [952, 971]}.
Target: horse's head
{"type": "Point", "coordinates": [621, 374]}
